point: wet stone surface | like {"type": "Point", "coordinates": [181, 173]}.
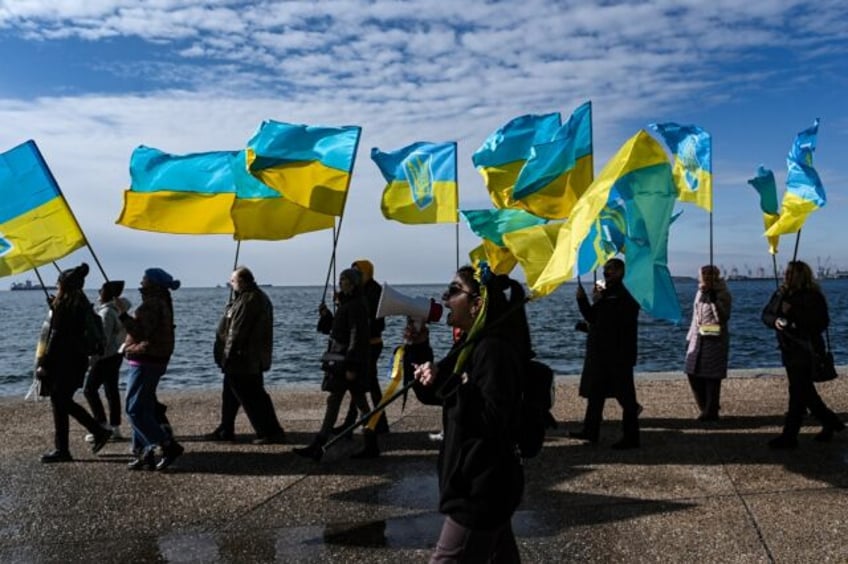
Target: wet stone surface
{"type": "Point", "coordinates": [694, 492]}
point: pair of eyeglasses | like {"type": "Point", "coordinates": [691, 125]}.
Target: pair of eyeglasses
{"type": "Point", "coordinates": [453, 290]}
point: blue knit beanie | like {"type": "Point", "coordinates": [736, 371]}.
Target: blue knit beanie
{"type": "Point", "coordinates": [161, 278]}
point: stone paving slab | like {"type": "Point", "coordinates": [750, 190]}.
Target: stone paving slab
{"type": "Point", "coordinates": [693, 493]}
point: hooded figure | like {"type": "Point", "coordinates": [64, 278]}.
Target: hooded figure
{"type": "Point", "coordinates": [372, 291]}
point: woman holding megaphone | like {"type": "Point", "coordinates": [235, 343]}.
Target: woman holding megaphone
{"type": "Point", "coordinates": [480, 475]}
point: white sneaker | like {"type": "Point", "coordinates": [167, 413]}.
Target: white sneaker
{"type": "Point", "coordinates": [116, 434]}
{"type": "Point", "coordinates": [437, 437]}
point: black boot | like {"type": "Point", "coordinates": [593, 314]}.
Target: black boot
{"type": "Point", "coordinates": [382, 426]}
{"type": "Point", "coordinates": [370, 450]}
{"type": "Point", "coordinates": [314, 451]}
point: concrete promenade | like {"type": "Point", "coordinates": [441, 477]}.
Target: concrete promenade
{"type": "Point", "coordinates": [694, 492]}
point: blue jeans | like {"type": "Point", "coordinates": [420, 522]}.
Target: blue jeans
{"type": "Point", "coordinates": [141, 405]}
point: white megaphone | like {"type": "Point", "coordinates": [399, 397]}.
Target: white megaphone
{"type": "Point", "coordinates": [422, 310]}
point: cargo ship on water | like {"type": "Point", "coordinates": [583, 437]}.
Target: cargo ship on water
{"type": "Point", "coordinates": [27, 285]}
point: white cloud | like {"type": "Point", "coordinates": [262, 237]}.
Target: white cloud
{"type": "Point", "coordinates": [406, 71]}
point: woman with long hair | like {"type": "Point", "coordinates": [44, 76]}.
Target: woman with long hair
{"type": "Point", "coordinates": [478, 385]}
{"type": "Point", "coordinates": [708, 342]}
{"type": "Point", "coordinates": [62, 367]}
{"type": "Point", "coordinates": [797, 312]}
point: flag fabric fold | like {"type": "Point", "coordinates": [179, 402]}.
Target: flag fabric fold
{"type": "Point", "coordinates": [766, 187]}
{"type": "Point", "coordinates": [500, 259]}
{"type": "Point", "coordinates": [639, 179]}
{"type": "Point", "coordinates": [804, 190]}
{"type": "Point", "coordinates": [692, 171]}
{"type": "Point", "coordinates": [492, 224]}
{"type": "Point", "coordinates": [36, 223]}
{"type": "Point", "coordinates": [504, 153]}
{"type": "Point", "coordinates": [422, 183]}
{"type": "Point", "coordinates": [557, 172]}
{"type": "Point", "coordinates": [605, 238]}
{"type": "Point", "coordinates": [308, 165]}
{"type": "Point", "coordinates": [209, 193]}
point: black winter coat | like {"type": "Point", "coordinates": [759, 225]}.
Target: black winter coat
{"type": "Point", "coordinates": [481, 480]}
{"type": "Point", "coordinates": [349, 336]}
{"type": "Point", "coordinates": [807, 318]}
{"type": "Point", "coordinates": [611, 345]}
{"type": "Point", "coordinates": [65, 356]}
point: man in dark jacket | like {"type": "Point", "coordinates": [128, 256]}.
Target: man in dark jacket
{"type": "Point", "coordinates": [243, 347]}
{"type": "Point", "coordinates": [611, 349]}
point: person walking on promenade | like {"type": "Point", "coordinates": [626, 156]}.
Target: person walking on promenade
{"type": "Point", "coordinates": [61, 369]}
{"type": "Point", "coordinates": [797, 311]}
{"type": "Point", "coordinates": [372, 291]}
{"type": "Point", "coordinates": [708, 342]}
{"type": "Point", "coordinates": [611, 349]}
{"type": "Point", "coordinates": [243, 349]}
{"type": "Point", "coordinates": [105, 369]}
{"type": "Point", "coordinates": [346, 364]}
{"type": "Point", "coordinates": [481, 480]}
{"type": "Point", "coordinates": [148, 349]}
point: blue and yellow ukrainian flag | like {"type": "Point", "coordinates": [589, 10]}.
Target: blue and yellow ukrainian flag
{"type": "Point", "coordinates": [36, 224]}
{"type": "Point", "coordinates": [766, 187]}
{"type": "Point", "coordinates": [422, 183]}
{"type": "Point", "coordinates": [308, 165]}
{"type": "Point", "coordinates": [558, 172]}
{"type": "Point", "coordinates": [692, 149]}
{"type": "Point", "coordinates": [209, 193]}
{"type": "Point", "coordinates": [639, 173]}
{"type": "Point", "coordinates": [804, 190]}
{"type": "Point", "coordinates": [505, 152]}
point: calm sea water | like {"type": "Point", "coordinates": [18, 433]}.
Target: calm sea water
{"type": "Point", "coordinates": [298, 345]}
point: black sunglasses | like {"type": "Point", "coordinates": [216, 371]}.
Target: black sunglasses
{"type": "Point", "coordinates": [455, 289]}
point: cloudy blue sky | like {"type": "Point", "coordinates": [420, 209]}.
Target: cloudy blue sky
{"type": "Point", "coordinates": [90, 80]}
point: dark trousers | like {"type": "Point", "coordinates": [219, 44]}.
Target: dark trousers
{"type": "Point", "coordinates": [707, 392]}
{"type": "Point", "coordinates": [625, 393]}
{"type": "Point", "coordinates": [803, 396]}
{"type": "Point", "coordinates": [248, 391]}
{"type": "Point", "coordinates": [64, 407]}
{"type": "Point", "coordinates": [334, 402]}
{"type": "Point", "coordinates": [105, 372]}
{"type": "Point", "coordinates": [460, 544]}
{"type": "Point", "coordinates": [372, 385]}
